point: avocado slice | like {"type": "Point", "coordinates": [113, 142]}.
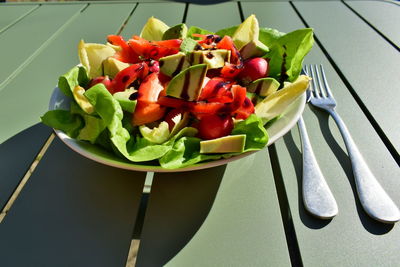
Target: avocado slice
{"type": "Point", "coordinates": [188, 83]}
{"type": "Point", "coordinates": [175, 32]}
{"type": "Point", "coordinates": [81, 100]}
{"type": "Point", "coordinates": [255, 98]}
{"type": "Point", "coordinates": [264, 86]}
{"type": "Point", "coordinates": [226, 144]}
{"type": "Point", "coordinates": [253, 49]}
{"type": "Point", "coordinates": [111, 66]}
{"type": "Point", "coordinates": [213, 58]}
{"type": "Point", "coordinates": [188, 45]}
{"type": "Point", "coordinates": [173, 64]}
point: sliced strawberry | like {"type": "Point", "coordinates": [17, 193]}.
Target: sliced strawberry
{"type": "Point", "coordinates": [150, 89]}
{"type": "Point", "coordinates": [231, 71]}
{"type": "Point", "coordinates": [227, 43]}
{"type": "Point", "coordinates": [245, 110]}
{"type": "Point", "coordinates": [154, 50]}
{"type": "Point", "coordinates": [147, 113]}
{"type": "Point", "coordinates": [127, 76]}
{"type": "Point", "coordinates": [126, 54]}
{"type": "Point", "coordinates": [217, 90]}
{"type": "Point", "coordinates": [147, 109]}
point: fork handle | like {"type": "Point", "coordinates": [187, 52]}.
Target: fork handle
{"type": "Point", "coordinates": [317, 197]}
{"type": "Point", "coordinates": [373, 197]}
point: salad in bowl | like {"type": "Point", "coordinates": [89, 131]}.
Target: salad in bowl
{"type": "Point", "coordinates": [179, 98]}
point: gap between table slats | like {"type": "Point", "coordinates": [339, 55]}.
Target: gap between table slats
{"type": "Point", "coordinates": [26, 177]}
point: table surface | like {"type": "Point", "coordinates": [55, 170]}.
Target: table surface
{"type": "Point", "coordinates": [246, 213]}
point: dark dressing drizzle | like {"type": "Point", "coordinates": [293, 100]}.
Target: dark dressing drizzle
{"type": "Point", "coordinates": [185, 88]}
{"type": "Point", "coordinates": [259, 87]}
{"type": "Point", "coordinates": [284, 75]}
{"type": "Point", "coordinates": [179, 67]}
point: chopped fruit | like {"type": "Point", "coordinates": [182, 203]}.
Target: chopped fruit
{"type": "Point", "coordinates": [231, 71]}
{"type": "Point", "coordinates": [245, 110]}
{"type": "Point", "coordinates": [227, 43]}
{"type": "Point", "coordinates": [217, 90]}
{"type": "Point", "coordinates": [147, 109]}
{"type": "Point", "coordinates": [154, 50]}
{"type": "Point", "coordinates": [101, 79]}
{"type": "Point", "coordinates": [126, 54]}
{"type": "Point", "coordinates": [150, 89]}
{"type": "Point", "coordinates": [215, 126]}
{"type": "Point", "coordinates": [127, 76]}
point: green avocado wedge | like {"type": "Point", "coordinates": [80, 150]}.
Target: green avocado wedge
{"type": "Point", "coordinates": [225, 144]}
{"type": "Point", "coordinates": [173, 64]}
{"type": "Point", "coordinates": [214, 59]}
{"type": "Point", "coordinates": [263, 87]}
{"type": "Point", "coordinates": [188, 83]}
{"type": "Point", "coordinates": [175, 32]}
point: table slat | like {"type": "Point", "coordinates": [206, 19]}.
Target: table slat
{"type": "Point", "coordinates": [25, 37]}
{"type": "Point", "coordinates": [11, 14]}
{"type": "Point", "coordinates": [72, 212]}
{"type": "Point", "coordinates": [17, 155]}
{"type": "Point", "coordinates": [213, 17]}
{"type": "Point", "coordinates": [351, 232]}
{"type": "Point", "coordinates": [224, 216]}
{"type": "Point", "coordinates": [33, 86]}
{"type": "Point", "coordinates": [384, 16]}
{"type": "Point", "coordinates": [361, 59]}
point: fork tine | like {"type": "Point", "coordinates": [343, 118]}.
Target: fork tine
{"type": "Point", "coordinates": [322, 89]}
{"type": "Point", "coordinates": [307, 71]}
{"type": "Point", "coordinates": [328, 90]}
{"type": "Point", "coordinates": [314, 91]}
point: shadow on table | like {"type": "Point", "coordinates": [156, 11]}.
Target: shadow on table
{"type": "Point", "coordinates": [177, 207]}
{"type": "Point", "coordinates": [16, 156]}
{"type": "Point", "coordinates": [371, 225]}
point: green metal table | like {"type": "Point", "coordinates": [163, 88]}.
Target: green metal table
{"type": "Point", "coordinates": [60, 209]}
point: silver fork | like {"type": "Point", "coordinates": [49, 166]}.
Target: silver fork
{"type": "Point", "coordinates": [317, 197]}
{"type": "Point", "coordinates": [373, 198]}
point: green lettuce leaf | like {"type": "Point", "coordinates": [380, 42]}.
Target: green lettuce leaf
{"type": "Point", "coordinates": [63, 120]}
{"type": "Point", "coordinates": [145, 150]}
{"type": "Point", "coordinates": [76, 76]}
{"type": "Point", "coordinates": [269, 36]}
{"type": "Point", "coordinates": [94, 126]}
{"type": "Point", "coordinates": [111, 113]}
{"type": "Point", "coordinates": [227, 31]}
{"type": "Point", "coordinates": [185, 152]}
{"type": "Point", "coordinates": [287, 53]}
{"type": "Point", "coordinates": [256, 135]}
{"type": "Point", "coordinates": [123, 99]}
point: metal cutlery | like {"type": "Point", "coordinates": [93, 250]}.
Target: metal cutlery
{"type": "Point", "coordinates": [317, 197]}
{"type": "Point", "coordinates": [373, 198]}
